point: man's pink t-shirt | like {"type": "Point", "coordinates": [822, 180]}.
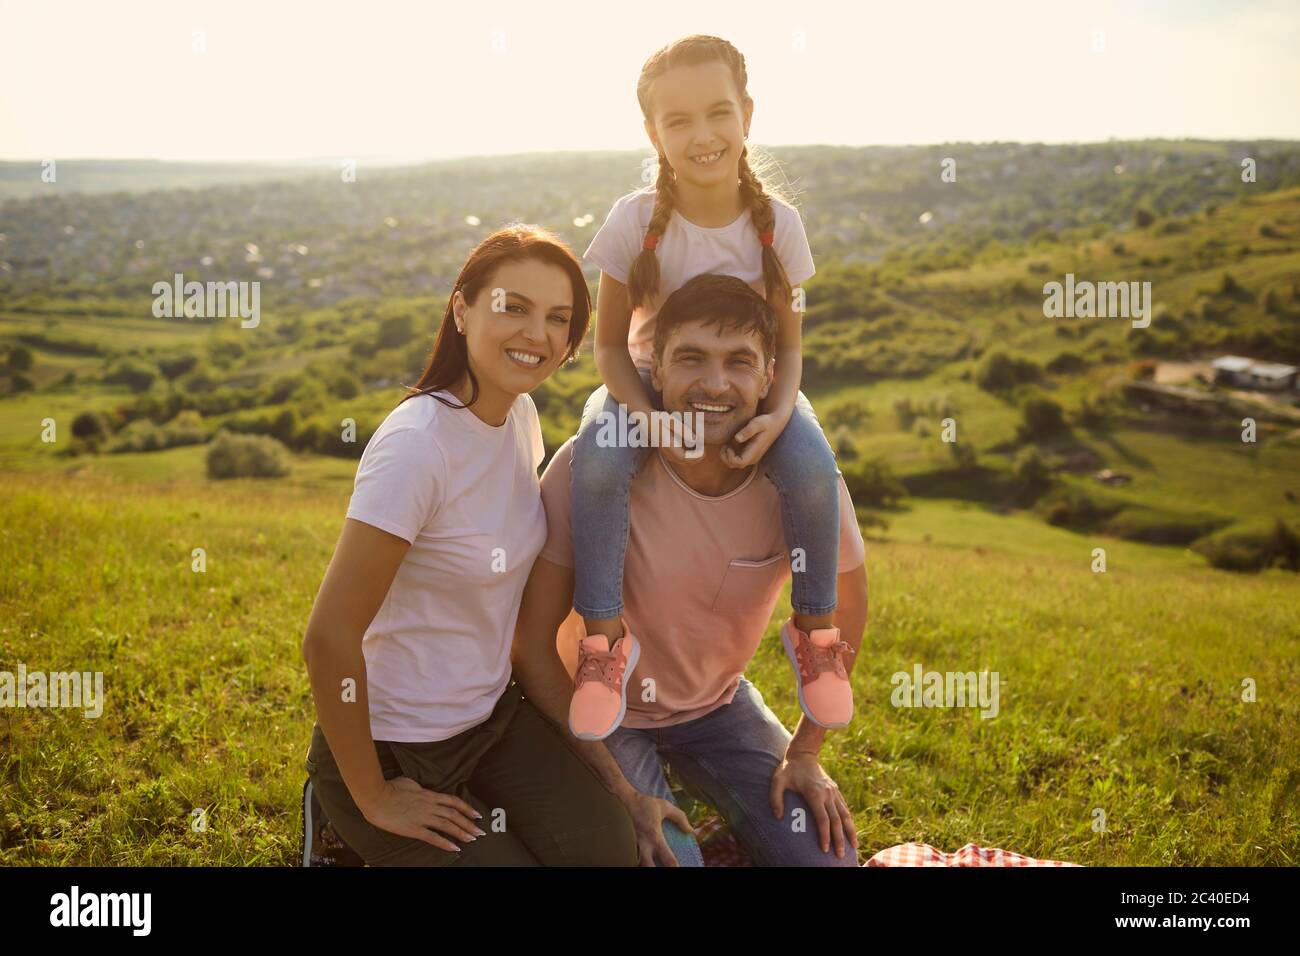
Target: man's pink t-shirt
{"type": "Point", "coordinates": [701, 578]}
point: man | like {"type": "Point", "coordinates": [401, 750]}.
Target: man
{"type": "Point", "coordinates": [706, 560]}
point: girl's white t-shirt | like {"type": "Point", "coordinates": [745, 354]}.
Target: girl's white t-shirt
{"type": "Point", "coordinates": [686, 250]}
{"type": "Point", "coordinates": [466, 495]}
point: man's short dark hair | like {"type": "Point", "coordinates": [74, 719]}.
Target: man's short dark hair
{"type": "Point", "coordinates": [719, 300]}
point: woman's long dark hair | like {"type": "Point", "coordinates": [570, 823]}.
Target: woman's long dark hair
{"type": "Point", "coordinates": [449, 362]}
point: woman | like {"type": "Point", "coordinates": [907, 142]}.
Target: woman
{"type": "Point", "coordinates": [424, 752]}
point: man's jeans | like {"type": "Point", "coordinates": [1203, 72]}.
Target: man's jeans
{"type": "Point", "coordinates": [728, 756]}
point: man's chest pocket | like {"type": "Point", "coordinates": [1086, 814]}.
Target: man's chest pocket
{"type": "Point", "coordinates": [747, 583]}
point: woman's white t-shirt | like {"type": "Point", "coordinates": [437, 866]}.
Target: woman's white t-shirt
{"type": "Point", "coordinates": [686, 250]}
{"type": "Point", "coordinates": [467, 497]}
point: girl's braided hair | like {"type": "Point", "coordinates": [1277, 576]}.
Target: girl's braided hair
{"type": "Point", "coordinates": [643, 277]}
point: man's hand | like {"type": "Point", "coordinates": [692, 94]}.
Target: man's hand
{"type": "Point", "coordinates": [648, 814]}
{"type": "Point", "coordinates": [753, 440]}
{"type": "Point", "coordinates": [802, 773]}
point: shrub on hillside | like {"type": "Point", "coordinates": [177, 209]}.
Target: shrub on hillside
{"type": "Point", "coordinates": [1136, 523]}
{"type": "Point", "coordinates": [963, 455]}
{"type": "Point", "coordinates": [999, 372]}
{"type": "Point", "coordinates": [1033, 477]}
{"type": "Point", "coordinates": [1067, 362]}
{"type": "Point", "coordinates": [20, 358]}
{"type": "Point", "coordinates": [1252, 548]}
{"type": "Point", "coordinates": [873, 483]}
{"type": "Point", "coordinates": [343, 384]}
{"type": "Point", "coordinates": [133, 374]}
{"type": "Point", "coordinates": [324, 436]}
{"type": "Point", "coordinates": [1042, 417]}
{"type": "Point", "coordinates": [185, 429]}
{"type": "Point", "coordinates": [246, 456]}
{"type": "Point", "coordinates": [905, 412]}
{"type": "Point", "coordinates": [173, 367]}
{"type": "Point", "coordinates": [139, 435]}
{"type": "Point", "coordinates": [1072, 508]}
{"type": "Point", "coordinates": [841, 442]}
{"type": "Point", "coordinates": [395, 331]}
{"type": "Point", "coordinates": [279, 423]}
{"type": "Point", "coordinates": [92, 426]}
{"type": "Point", "coordinates": [144, 435]}
{"type": "Point", "coordinates": [850, 414]}
{"type": "Point", "coordinates": [1228, 285]}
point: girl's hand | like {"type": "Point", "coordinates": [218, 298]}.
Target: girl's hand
{"type": "Point", "coordinates": [753, 441]}
{"type": "Point", "coordinates": [684, 444]}
{"type": "Point", "coordinates": [408, 809]}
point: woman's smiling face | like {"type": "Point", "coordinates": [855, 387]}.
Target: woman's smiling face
{"type": "Point", "coordinates": [699, 122]}
{"type": "Point", "coordinates": [517, 331]}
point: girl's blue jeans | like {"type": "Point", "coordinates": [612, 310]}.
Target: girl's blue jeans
{"type": "Point", "coordinates": [800, 464]}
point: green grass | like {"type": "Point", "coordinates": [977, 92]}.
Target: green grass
{"type": "Point", "coordinates": [1119, 691]}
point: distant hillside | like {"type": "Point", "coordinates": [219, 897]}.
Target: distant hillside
{"type": "Point", "coordinates": [405, 231]}
{"type": "Point", "coordinates": [927, 308]}
{"type": "Point", "coordinates": [23, 180]}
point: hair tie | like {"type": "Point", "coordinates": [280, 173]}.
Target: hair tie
{"type": "Point", "coordinates": [651, 240]}
{"type": "Point", "coordinates": [765, 238]}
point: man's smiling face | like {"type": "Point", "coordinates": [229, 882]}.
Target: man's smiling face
{"type": "Point", "coordinates": [719, 373]}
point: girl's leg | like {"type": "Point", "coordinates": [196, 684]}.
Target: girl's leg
{"type": "Point", "coordinates": [601, 483]}
{"type": "Point", "coordinates": [802, 466]}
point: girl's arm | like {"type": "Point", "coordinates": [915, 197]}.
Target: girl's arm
{"type": "Point", "coordinates": [613, 361]}
{"type": "Point", "coordinates": [764, 429]}
{"type": "Point", "coordinates": [789, 362]}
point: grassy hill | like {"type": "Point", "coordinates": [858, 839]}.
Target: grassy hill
{"type": "Point", "coordinates": [1121, 690]}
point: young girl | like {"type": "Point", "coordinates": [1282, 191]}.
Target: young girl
{"type": "Point", "coordinates": [707, 213]}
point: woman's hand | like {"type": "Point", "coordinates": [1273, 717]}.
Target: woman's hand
{"type": "Point", "coordinates": [803, 773]}
{"type": "Point", "coordinates": [408, 809]}
{"type": "Point", "coordinates": [648, 814]}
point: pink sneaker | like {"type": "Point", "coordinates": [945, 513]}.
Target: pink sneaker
{"type": "Point", "coordinates": [818, 659]}
{"type": "Point", "coordinates": [599, 693]}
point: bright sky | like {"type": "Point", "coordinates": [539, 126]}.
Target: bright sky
{"type": "Point", "coordinates": [419, 80]}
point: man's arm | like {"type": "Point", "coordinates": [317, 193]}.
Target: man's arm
{"type": "Point", "coordinates": [850, 617]}
{"type": "Point", "coordinates": [548, 598]}
{"type": "Point", "coordinates": [801, 771]}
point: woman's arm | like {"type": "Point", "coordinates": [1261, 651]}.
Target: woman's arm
{"type": "Point", "coordinates": [356, 583]}
{"type": "Point", "coordinates": [613, 361]}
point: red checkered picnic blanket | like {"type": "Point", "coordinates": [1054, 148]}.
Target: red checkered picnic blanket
{"type": "Point", "coordinates": [922, 854]}
{"type": "Point", "coordinates": [719, 847]}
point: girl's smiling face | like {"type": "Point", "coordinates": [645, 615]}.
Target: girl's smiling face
{"type": "Point", "coordinates": [700, 123]}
